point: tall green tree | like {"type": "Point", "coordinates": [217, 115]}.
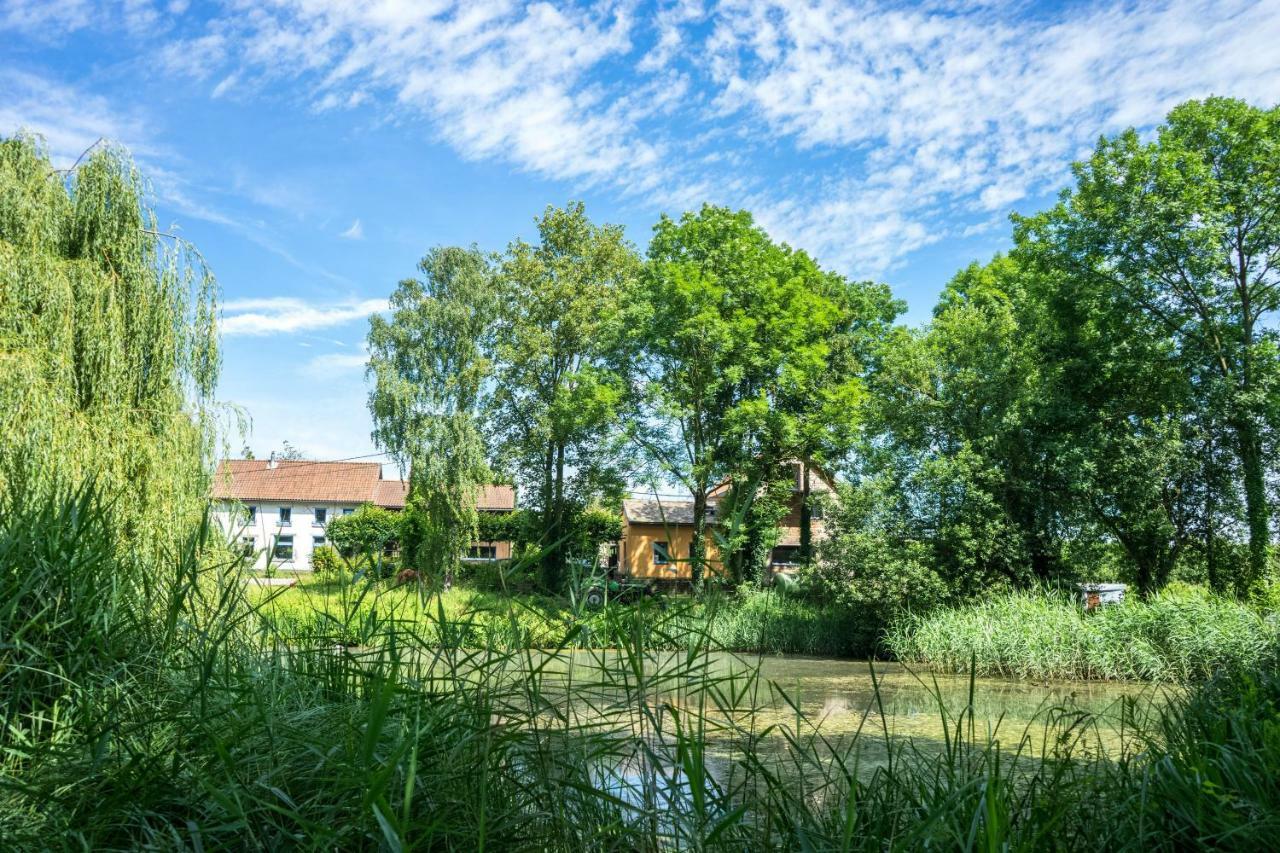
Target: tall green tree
{"type": "Point", "coordinates": [108, 346]}
{"type": "Point", "coordinates": [1185, 229]}
{"type": "Point", "coordinates": [951, 438]}
{"type": "Point", "coordinates": [742, 352]}
{"type": "Point", "coordinates": [1115, 414]}
{"type": "Point", "coordinates": [1027, 423]}
{"type": "Point", "coordinates": [430, 367]}
{"type": "Point", "coordinates": [557, 398]}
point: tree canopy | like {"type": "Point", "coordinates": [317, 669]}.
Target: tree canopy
{"type": "Point", "coordinates": [108, 348]}
{"type": "Point", "coordinates": [430, 365]}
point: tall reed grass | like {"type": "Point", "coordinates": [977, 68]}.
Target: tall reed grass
{"type": "Point", "coordinates": [1182, 635]}
{"type": "Point", "coordinates": [147, 703]}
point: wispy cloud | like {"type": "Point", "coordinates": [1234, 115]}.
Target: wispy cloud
{"type": "Point", "coordinates": [69, 119]}
{"type": "Point", "coordinates": [355, 232]}
{"type": "Point", "coordinates": [334, 364]}
{"type": "Point", "coordinates": [951, 115]}
{"type": "Point", "coordinates": [861, 132]}
{"type": "Point", "coordinates": [50, 16]}
{"type": "Point", "coordinates": [285, 315]}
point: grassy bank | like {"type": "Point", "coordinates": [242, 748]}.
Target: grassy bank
{"type": "Point", "coordinates": [152, 703]}
{"type": "Point", "coordinates": [764, 622]}
{"type": "Point", "coordinates": [1182, 635]}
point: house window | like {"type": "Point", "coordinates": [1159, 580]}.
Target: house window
{"type": "Point", "coordinates": [661, 554]}
{"type": "Point", "coordinates": [247, 546]}
{"type": "Point", "coordinates": [346, 510]}
{"type": "Point", "coordinates": [317, 541]}
{"type": "Point", "coordinates": [611, 555]}
{"type": "Point", "coordinates": [482, 552]}
{"type": "Point", "coordinates": [817, 510]}
{"type": "Point", "coordinates": [251, 514]}
{"type": "Point", "coordinates": [321, 516]}
{"type": "Point", "coordinates": [286, 515]}
{"type": "Point", "coordinates": [786, 555]}
{"type": "Point", "coordinates": [284, 548]}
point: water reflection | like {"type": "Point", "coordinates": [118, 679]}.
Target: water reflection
{"type": "Point", "coordinates": [737, 697]}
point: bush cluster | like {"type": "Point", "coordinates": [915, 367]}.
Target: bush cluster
{"type": "Point", "coordinates": [326, 562]}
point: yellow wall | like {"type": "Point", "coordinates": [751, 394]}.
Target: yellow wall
{"type": "Point", "coordinates": [635, 554]}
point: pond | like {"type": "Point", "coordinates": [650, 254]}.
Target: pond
{"type": "Point", "coordinates": [741, 696]}
{"type": "Point", "coordinates": [793, 719]}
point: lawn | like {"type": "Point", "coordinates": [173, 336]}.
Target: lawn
{"type": "Point", "coordinates": [351, 612]}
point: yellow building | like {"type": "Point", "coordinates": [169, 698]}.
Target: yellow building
{"type": "Point", "coordinates": [657, 532]}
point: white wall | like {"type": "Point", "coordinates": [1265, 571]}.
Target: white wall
{"type": "Point", "coordinates": [266, 526]}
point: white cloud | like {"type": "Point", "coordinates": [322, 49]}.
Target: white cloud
{"type": "Point", "coordinates": [355, 232]}
{"type": "Point", "coordinates": [960, 112]}
{"type": "Point", "coordinates": [284, 315]}
{"type": "Point", "coordinates": [334, 364]}
{"type": "Point", "coordinates": [859, 131]}
{"type": "Point", "coordinates": [53, 20]}
{"type": "Point", "coordinates": [69, 119]}
{"type": "Point", "coordinates": [49, 16]}
{"type": "Point", "coordinates": [226, 84]}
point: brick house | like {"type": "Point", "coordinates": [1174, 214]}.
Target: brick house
{"type": "Point", "coordinates": [279, 509]}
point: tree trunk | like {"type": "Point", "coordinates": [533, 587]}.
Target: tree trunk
{"type": "Point", "coordinates": [1255, 502]}
{"type": "Point", "coordinates": [1210, 540]}
{"type": "Point", "coordinates": [557, 553]}
{"type": "Point", "coordinates": [546, 563]}
{"type": "Point", "coordinates": [698, 545]}
{"type": "Point", "coordinates": [806, 518]}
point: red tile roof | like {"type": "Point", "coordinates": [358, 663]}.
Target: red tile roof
{"type": "Point", "coordinates": [390, 493]}
{"type": "Point", "coordinates": [327, 482]}
{"type": "Point", "coordinates": [497, 497]}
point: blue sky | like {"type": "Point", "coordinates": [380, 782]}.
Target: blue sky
{"type": "Point", "coordinates": [314, 149]}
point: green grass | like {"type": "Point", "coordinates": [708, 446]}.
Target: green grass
{"type": "Point", "coordinates": [155, 703]}
{"type": "Point", "coordinates": [1182, 635]}
{"type": "Point", "coordinates": [751, 621]}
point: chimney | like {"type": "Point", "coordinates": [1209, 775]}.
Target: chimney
{"type": "Point", "coordinates": [271, 461]}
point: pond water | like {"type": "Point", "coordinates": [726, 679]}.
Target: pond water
{"type": "Point", "coordinates": [844, 699]}
{"type": "Point", "coordinates": [797, 715]}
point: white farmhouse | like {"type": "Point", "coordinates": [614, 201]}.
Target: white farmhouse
{"type": "Point", "coordinates": [278, 510]}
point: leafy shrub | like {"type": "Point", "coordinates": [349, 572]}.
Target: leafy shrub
{"type": "Point", "coordinates": [592, 527]}
{"type": "Point", "coordinates": [326, 562]}
{"type": "Point", "coordinates": [867, 562]}
{"type": "Point", "coordinates": [368, 530]}
{"type": "Point", "coordinates": [514, 526]}
{"type": "Point", "coordinates": [515, 576]}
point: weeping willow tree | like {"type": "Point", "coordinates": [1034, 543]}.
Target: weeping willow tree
{"type": "Point", "coordinates": [430, 368]}
{"type": "Point", "coordinates": [108, 347]}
